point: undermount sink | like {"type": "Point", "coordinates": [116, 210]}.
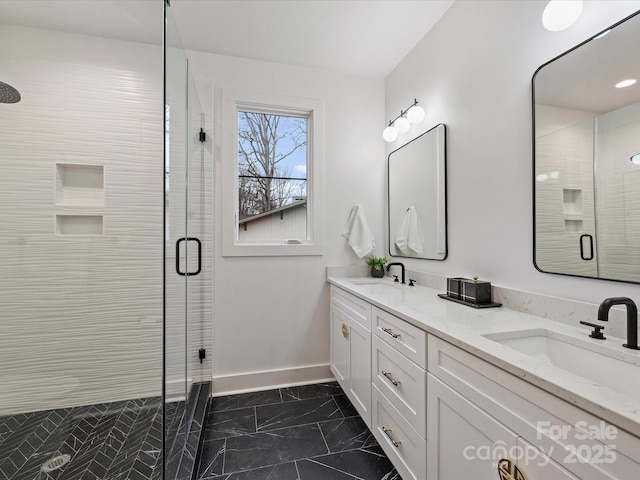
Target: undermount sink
{"type": "Point", "coordinates": [599, 363]}
{"type": "Point", "coordinates": [381, 286]}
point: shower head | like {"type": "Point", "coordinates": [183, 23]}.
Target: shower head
{"type": "Point", "coordinates": [8, 94]}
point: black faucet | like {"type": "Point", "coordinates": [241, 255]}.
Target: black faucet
{"type": "Point", "coordinates": [632, 318]}
{"type": "Point", "coordinates": [399, 264]}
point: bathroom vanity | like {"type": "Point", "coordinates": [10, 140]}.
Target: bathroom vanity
{"type": "Point", "coordinates": [451, 392]}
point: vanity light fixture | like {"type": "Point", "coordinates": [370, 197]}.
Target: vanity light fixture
{"type": "Point", "coordinates": [561, 14]}
{"type": "Point", "coordinates": [414, 114]}
{"type": "Point", "coordinates": [390, 133]}
{"type": "Point", "coordinates": [626, 83]}
{"type": "Point", "coordinates": [402, 124]}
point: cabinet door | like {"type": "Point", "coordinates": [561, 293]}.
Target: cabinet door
{"type": "Point", "coordinates": [360, 370]}
{"type": "Point", "coordinates": [535, 464]}
{"type": "Point", "coordinates": [463, 441]}
{"type": "Point", "coordinates": [340, 346]}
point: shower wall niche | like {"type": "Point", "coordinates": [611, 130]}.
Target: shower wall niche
{"type": "Point", "coordinates": [79, 187]}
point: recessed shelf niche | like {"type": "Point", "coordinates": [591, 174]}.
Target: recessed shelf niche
{"type": "Point", "coordinates": [79, 225]}
{"type": "Point", "coordinates": [572, 201]}
{"type": "Point", "coordinates": [79, 185]}
{"type": "Point", "coordinates": [573, 226]}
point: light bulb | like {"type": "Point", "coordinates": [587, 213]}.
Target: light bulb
{"type": "Point", "coordinates": [561, 14]}
{"type": "Point", "coordinates": [415, 114]}
{"type": "Point", "coordinates": [389, 134]}
{"type": "Point", "coordinates": [402, 125]}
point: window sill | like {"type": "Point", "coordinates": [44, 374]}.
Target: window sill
{"type": "Point", "coordinates": [262, 250]}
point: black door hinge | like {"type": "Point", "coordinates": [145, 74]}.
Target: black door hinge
{"type": "Point", "coordinates": [203, 136]}
{"type": "Point", "coordinates": [202, 354]}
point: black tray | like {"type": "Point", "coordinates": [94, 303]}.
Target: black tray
{"type": "Point", "coordinates": [469, 304]}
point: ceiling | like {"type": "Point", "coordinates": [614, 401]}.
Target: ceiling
{"type": "Point", "coordinates": [584, 78]}
{"type": "Point", "coordinates": [361, 37]}
{"type": "Point", "coordinates": [131, 20]}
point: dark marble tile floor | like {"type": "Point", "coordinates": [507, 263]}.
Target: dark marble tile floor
{"type": "Point", "coordinates": [299, 433]}
{"type": "Point", "coordinates": [119, 440]}
{"type": "Point", "coordinates": [115, 441]}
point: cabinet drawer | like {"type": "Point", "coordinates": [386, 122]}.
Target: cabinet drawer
{"type": "Point", "coordinates": [402, 382]}
{"type": "Point", "coordinates": [408, 454]}
{"type": "Point", "coordinates": [404, 337]}
{"type": "Point", "coordinates": [355, 307]}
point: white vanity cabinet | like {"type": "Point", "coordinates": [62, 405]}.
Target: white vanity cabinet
{"type": "Point", "coordinates": [384, 376]}
{"type": "Point", "coordinates": [399, 392]}
{"type": "Point", "coordinates": [351, 349]}
{"type": "Point", "coordinates": [478, 415]}
{"type": "Point", "coordinates": [442, 413]}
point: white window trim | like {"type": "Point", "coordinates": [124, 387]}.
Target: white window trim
{"type": "Point", "coordinates": [234, 101]}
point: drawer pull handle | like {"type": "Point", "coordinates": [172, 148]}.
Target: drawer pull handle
{"type": "Point", "coordinates": [390, 378]}
{"type": "Point", "coordinates": [390, 332]}
{"type": "Point", "coordinates": [387, 432]}
{"type": "Point", "coordinates": [345, 331]}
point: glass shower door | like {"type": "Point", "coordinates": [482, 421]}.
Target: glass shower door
{"type": "Point", "coordinates": [185, 290]}
{"type": "Point", "coordinates": [195, 261]}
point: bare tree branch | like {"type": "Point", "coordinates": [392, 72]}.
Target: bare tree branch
{"type": "Point", "coordinates": [262, 147]}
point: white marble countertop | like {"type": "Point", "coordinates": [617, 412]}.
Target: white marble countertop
{"type": "Point", "coordinates": [465, 326]}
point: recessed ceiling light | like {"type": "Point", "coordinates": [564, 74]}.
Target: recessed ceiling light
{"type": "Point", "coordinates": [635, 159]}
{"type": "Point", "coordinates": [626, 83]}
{"type": "Point", "coordinates": [561, 14]}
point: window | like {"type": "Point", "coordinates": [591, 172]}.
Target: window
{"type": "Point", "coordinates": [272, 177]}
{"type": "Point", "coordinates": [271, 183]}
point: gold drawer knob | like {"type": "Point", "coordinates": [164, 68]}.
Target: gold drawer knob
{"type": "Point", "coordinates": [345, 331]}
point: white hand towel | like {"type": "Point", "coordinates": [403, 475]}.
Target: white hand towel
{"type": "Point", "coordinates": [409, 238]}
{"type": "Point", "coordinates": [358, 233]}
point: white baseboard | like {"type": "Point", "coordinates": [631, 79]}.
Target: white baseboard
{"type": "Point", "coordinates": [257, 381]}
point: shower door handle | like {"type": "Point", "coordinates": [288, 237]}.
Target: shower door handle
{"type": "Point", "coordinates": [582, 255]}
{"type": "Point", "coordinates": [188, 239]}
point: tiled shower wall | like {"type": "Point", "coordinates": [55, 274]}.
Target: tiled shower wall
{"type": "Point", "coordinates": [567, 205]}
{"type": "Point", "coordinates": [618, 193]}
{"type": "Point", "coordinates": [564, 193]}
{"type": "Point", "coordinates": [81, 300]}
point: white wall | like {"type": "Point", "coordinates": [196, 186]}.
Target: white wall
{"type": "Point", "coordinates": [289, 222]}
{"type": "Point", "coordinates": [271, 313]}
{"type": "Point", "coordinates": [473, 72]}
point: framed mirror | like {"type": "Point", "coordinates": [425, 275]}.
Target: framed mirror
{"type": "Point", "coordinates": [417, 197]}
{"type": "Point", "coordinates": [586, 158]}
